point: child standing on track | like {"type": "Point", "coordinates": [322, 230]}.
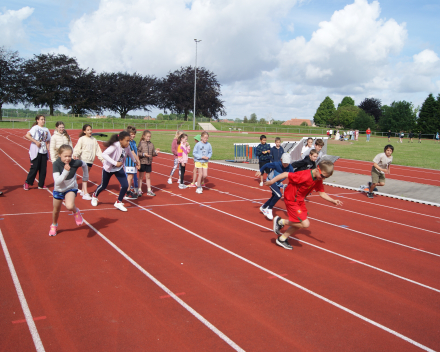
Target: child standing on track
{"type": "Point", "coordinates": [146, 152]}
{"type": "Point", "coordinates": [86, 149]}
{"type": "Point", "coordinates": [130, 166]}
{"type": "Point", "coordinates": [182, 152]}
{"type": "Point", "coordinates": [263, 155]}
{"type": "Point", "coordinates": [176, 161]}
{"type": "Point", "coordinates": [118, 148]}
{"type": "Point", "coordinates": [381, 166]}
{"type": "Point", "coordinates": [197, 139]}
{"type": "Point", "coordinates": [65, 186]}
{"type": "Point", "coordinates": [40, 138]}
{"type": "Point", "coordinates": [300, 184]}
{"type": "Point", "coordinates": [202, 153]}
{"type": "Point", "coordinates": [277, 151]}
{"type": "Point", "coordinates": [277, 167]}
{"type": "Point", "coordinates": [60, 137]}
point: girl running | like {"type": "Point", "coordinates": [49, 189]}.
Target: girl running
{"type": "Point", "coordinates": [60, 137]}
{"type": "Point", "coordinates": [86, 150]}
{"type": "Point", "coordinates": [40, 138]}
{"type": "Point", "coordinates": [146, 152]}
{"type": "Point", "coordinates": [118, 148]}
{"type": "Point", "coordinates": [182, 152]}
{"type": "Point", "coordinates": [65, 186]}
{"type": "Point", "coordinates": [174, 146]}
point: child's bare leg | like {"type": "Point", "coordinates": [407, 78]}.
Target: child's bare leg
{"type": "Point", "coordinates": [56, 210]}
{"type": "Point", "coordinates": [261, 177]}
{"type": "Point", "coordinates": [141, 178]}
{"type": "Point", "coordinates": [194, 175]}
{"type": "Point", "coordinates": [129, 180]}
{"type": "Point", "coordinates": [293, 227]}
{"type": "Point", "coordinates": [199, 177]}
{"type": "Point", "coordinates": [69, 200]}
{"type": "Point", "coordinates": [84, 183]}
{"type": "Point", "coordinates": [204, 175]}
{"type": "Point", "coordinates": [148, 181]}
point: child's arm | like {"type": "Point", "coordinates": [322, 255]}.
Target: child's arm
{"type": "Point", "coordinates": [59, 177]}
{"type": "Point", "coordinates": [277, 178]}
{"type": "Point", "coordinates": [328, 198]}
{"type": "Point", "coordinates": [380, 169]}
{"type": "Point", "coordinates": [106, 156]}
{"type": "Point", "coordinates": [264, 167]}
{"type": "Point", "coordinates": [196, 152]}
{"type": "Point", "coordinates": [98, 151]}
{"type": "Point", "coordinates": [78, 148]}
{"type": "Point", "coordinates": [209, 153]}
{"type": "Point", "coordinates": [299, 163]}
{"type": "Point", "coordinates": [53, 151]}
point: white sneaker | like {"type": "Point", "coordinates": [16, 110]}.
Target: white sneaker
{"type": "Point", "coordinates": [94, 200]}
{"type": "Point", "coordinates": [80, 192]}
{"type": "Point", "coordinates": [119, 205]}
{"type": "Point", "coordinates": [170, 181]}
{"type": "Point", "coordinates": [199, 190]}
{"type": "Point", "coordinates": [182, 186]}
{"type": "Point", "coordinates": [87, 196]}
{"type": "Point", "coordinates": [268, 213]}
{"type": "Point", "coordinates": [261, 184]}
{"type": "Point", "coordinates": [263, 210]}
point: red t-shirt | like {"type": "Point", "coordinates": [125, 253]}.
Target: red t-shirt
{"type": "Point", "coordinates": [301, 183]}
{"type": "Point", "coordinates": [368, 131]}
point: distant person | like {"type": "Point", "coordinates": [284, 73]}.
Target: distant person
{"type": "Point", "coordinates": [202, 152]}
{"type": "Point", "coordinates": [277, 151]}
{"type": "Point", "coordinates": [401, 135]}
{"type": "Point", "coordinates": [183, 149]}
{"type": "Point", "coordinates": [352, 133]}
{"type": "Point", "coordinates": [381, 166]}
{"type": "Point", "coordinates": [410, 136]}
{"type": "Point", "coordinates": [337, 135]}
{"type": "Point", "coordinates": [437, 137]}
{"type": "Point", "coordinates": [263, 155]}
{"type": "Point", "coordinates": [368, 132]}
{"type": "Point", "coordinates": [197, 139]}
{"type": "Point", "coordinates": [175, 156]}
{"type": "Point", "coordinates": [389, 135]}
{"type": "Point", "coordinates": [146, 152]}
{"type": "Point", "coordinates": [420, 137]}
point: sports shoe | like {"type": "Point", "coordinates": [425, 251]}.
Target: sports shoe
{"type": "Point", "coordinates": [261, 184]}
{"type": "Point", "coordinates": [94, 200]}
{"type": "Point", "coordinates": [269, 214]}
{"type": "Point", "coordinates": [139, 193]}
{"type": "Point", "coordinates": [170, 181]}
{"type": "Point", "coordinates": [151, 193]}
{"type": "Point", "coordinates": [26, 187]}
{"type": "Point", "coordinates": [78, 217]}
{"type": "Point", "coordinates": [131, 195]}
{"type": "Point", "coordinates": [191, 185]}
{"type": "Point", "coordinates": [199, 190]}
{"type": "Point", "coordinates": [182, 186]}
{"type": "Point", "coordinates": [263, 210]}
{"type": "Point", "coordinates": [370, 195]}
{"type": "Point", "coordinates": [53, 230]}
{"type": "Point", "coordinates": [44, 187]}
{"type": "Point", "coordinates": [119, 205]}
{"type": "Point", "coordinates": [285, 244]}
{"type": "Point", "coordinates": [86, 196]}
{"type": "Point", "coordinates": [80, 192]}
{"type": "Point", "coordinates": [276, 226]}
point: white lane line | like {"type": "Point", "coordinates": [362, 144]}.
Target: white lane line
{"type": "Point", "coordinates": [27, 312]}
{"type": "Point", "coordinates": [146, 273]}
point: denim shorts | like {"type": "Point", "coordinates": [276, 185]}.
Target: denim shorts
{"type": "Point", "coordinates": [61, 195]}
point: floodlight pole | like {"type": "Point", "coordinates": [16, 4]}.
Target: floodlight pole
{"type": "Point", "coordinates": [195, 87]}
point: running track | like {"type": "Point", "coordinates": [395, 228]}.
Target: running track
{"type": "Point", "coordinates": [183, 271]}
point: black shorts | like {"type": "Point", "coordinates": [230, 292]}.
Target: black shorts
{"type": "Point", "coordinates": [89, 165]}
{"type": "Point", "coordinates": [262, 163]}
{"type": "Point", "coordinates": [145, 168]}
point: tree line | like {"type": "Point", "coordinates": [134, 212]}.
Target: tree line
{"type": "Point", "coordinates": [398, 116]}
{"type": "Point", "coordinates": [56, 80]}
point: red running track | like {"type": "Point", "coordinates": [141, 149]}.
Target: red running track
{"type": "Point", "coordinates": [340, 288]}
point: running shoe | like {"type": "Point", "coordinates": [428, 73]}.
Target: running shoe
{"type": "Point", "coordinates": [261, 184]}
{"type": "Point", "coordinates": [80, 192]}
{"type": "Point", "coordinates": [26, 187]}
{"type": "Point", "coordinates": [44, 187]}
{"type": "Point", "coordinates": [119, 205]}
{"type": "Point", "coordinates": [140, 193]}
{"type": "Point", "coordinates": [94, 200]}
{"type": "Point", "coordinates": [151, 193]}
{"type": "Point", "coordinates": [268, 213]}
{"type": "Point", "coordinates": [370, 195]}
{"type": "Point", "coordinates": [276, 226]}
{"type": "Point", "coordinates": [182, 186]}
{"type": "Point", "coordinates": [53, 230]}
{"type": "Point", "coordinates": [78, 217]}
{"type": "Point", "coordinates": [199, 190]}
{"type": "Point", "coordinates": [131, 195]}
{"type": "Point", "coordinates": [170, 181]}
{"type": "Point", "coordinates": [263, 210]}
{"type": "Point", "coordinates": [86, 196]}
{"type": "Point", "coordinates": [191, 185]}
{"type": "Point", "coordinates": [285, 244]}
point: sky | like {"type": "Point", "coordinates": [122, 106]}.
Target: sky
{"type": "Point", "coordinates": [278, 59]}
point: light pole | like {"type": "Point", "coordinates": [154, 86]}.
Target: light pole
{"type": "Point", "coordinates": [195, 87]}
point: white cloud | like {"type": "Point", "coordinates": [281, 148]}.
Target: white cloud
{"type": "Point", "coordinates": [12, 30]}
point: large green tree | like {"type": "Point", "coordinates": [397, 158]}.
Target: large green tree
{"type": "Point", "coordinates": [345, 116]}
{"type": "Point", "coordinates": [372, 106]}
{"type": "Point", "coordinates": [363, 121]}
{"type": "Point", "coordinates": [347, 101]}
{"type": "Point", "coordinates": [428, 119]}
{"type": "Point", "coordinates": [399, 116]}
{"type": "Point", "coordinates": [325, 112]}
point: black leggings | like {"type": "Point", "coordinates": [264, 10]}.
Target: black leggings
{"type": "Point", "coordinates": [182, 173]}
{"type": "Point", "coordinates": [39, 164]}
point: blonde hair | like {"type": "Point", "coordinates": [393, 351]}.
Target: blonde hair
{"type": "Point", "coordinates": [178, 133]}
{"type": "Point", "coordinates": [63, 148]}
{"type": "Point", "coordinates": [326, 166]}
{"type": "Point", "coordinates": [204, 133]}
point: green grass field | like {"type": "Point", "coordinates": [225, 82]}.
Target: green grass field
{"type": "Point", "coordinates": [426, 154]}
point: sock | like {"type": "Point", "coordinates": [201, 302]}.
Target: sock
{"type": "Point", "coordinates": [55, 224]}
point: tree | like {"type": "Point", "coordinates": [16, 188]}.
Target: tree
{"type": "Point", "coordinates": [428, 120]}
{"type": "Point", "coordinates": [345, 116]}
{"type": "Point", "coordinates": [245, 120]}
{"type": "Point", "coordinates": [82, 94]}
{"type": "Point", "coordinates": [122, 92]}
{"type": "Point", "coordinates": [347, 101]}
{"type": "Point", "coordinates": [372, 106]}
{"type": "Point", "coordinates": [177, 93]}
{"type": "Point", "coordinates": [49, 77]}
{"type": "Point", "coordinates": [11, 79]}
{"type": "Point", "coordinates": [304, 123]}
{"type": "Point", "coordinates": [363, 121]}
{"type": "Point", "coordinates": [324, 112]}
{"type": "Point", "coordinates": [262, 121]}
{"type": "Point", "coordinates": [399, 116]}
{"type": "Point", "coordinates": [253, 118]}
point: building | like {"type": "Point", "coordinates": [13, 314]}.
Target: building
{"type": "Point", "coordinates": [297, 122]}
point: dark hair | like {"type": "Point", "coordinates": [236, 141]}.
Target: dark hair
{"type": "Point", "coordinates": [319, 142]}
{"type": "Point", "coordinates": [83, 131]}
{"type": "Point", "coordinates": [262, 136]}
{"type": "Point", "coordinates": [63, 148]}
{"type": "Point", "coordinates": [37, 118]}
{"type": "Point", "coordinates": [144, 133]}
{"type": "Point", "coordinates": [313, 151]}
{"type": "Point", "coordinates": [388, 146]}
{"type": "Point", "coordinates": [65, 132]}
{"type": "Point", "coordinates": [131, 129]}
{"type": "Point", "coordinates": [277, 139]}
{"type": "Point", "coordinates": [116, 137]}
{"type": "Point", "coordinates": [179, 139]}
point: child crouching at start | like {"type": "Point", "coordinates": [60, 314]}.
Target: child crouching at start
{"type": "Point", "coordinates": [65, 185]}
{"type": "Point", "coordinates": [301, 183]}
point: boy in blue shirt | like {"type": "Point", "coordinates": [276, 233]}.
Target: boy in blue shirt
{"type": "Point", "coordinates": [277, 167]}
{"type": "Point", "coordinates": [202, 152]}
{"type": "Point", "coordinates": [263, 155]}
{"type": "Point", "coordinates": [277, 151]}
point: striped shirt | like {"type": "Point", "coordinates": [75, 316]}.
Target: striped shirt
{"type": "Point", "coordinates": [133, 148]}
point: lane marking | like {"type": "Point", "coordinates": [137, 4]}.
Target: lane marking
{"type": "Point", "coordinates": [168, 296]}
{"type": "Point", "coordinates": [24, 320]}
{"type": "Point", "coordinates": [275, 277]}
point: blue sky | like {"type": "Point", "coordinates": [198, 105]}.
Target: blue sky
{"type": "Point", "coordinates": [272, 58]}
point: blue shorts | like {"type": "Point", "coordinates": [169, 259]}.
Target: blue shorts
{"type": "Point", "coordinates": [61, 195]}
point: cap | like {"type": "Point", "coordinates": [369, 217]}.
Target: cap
{"type": "Point", "coordinates": [285, 158]}
{"type": "Point", "coordinates": [198, 137]}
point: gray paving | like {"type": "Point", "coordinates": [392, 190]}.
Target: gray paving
{"type": "Point", "coordinates": [405, 189]}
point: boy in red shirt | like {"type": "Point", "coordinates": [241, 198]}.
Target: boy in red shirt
{"type": "Point", "coordinates": [300, 185]}
{"type": "Point", "coordinates": [368, 132]}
